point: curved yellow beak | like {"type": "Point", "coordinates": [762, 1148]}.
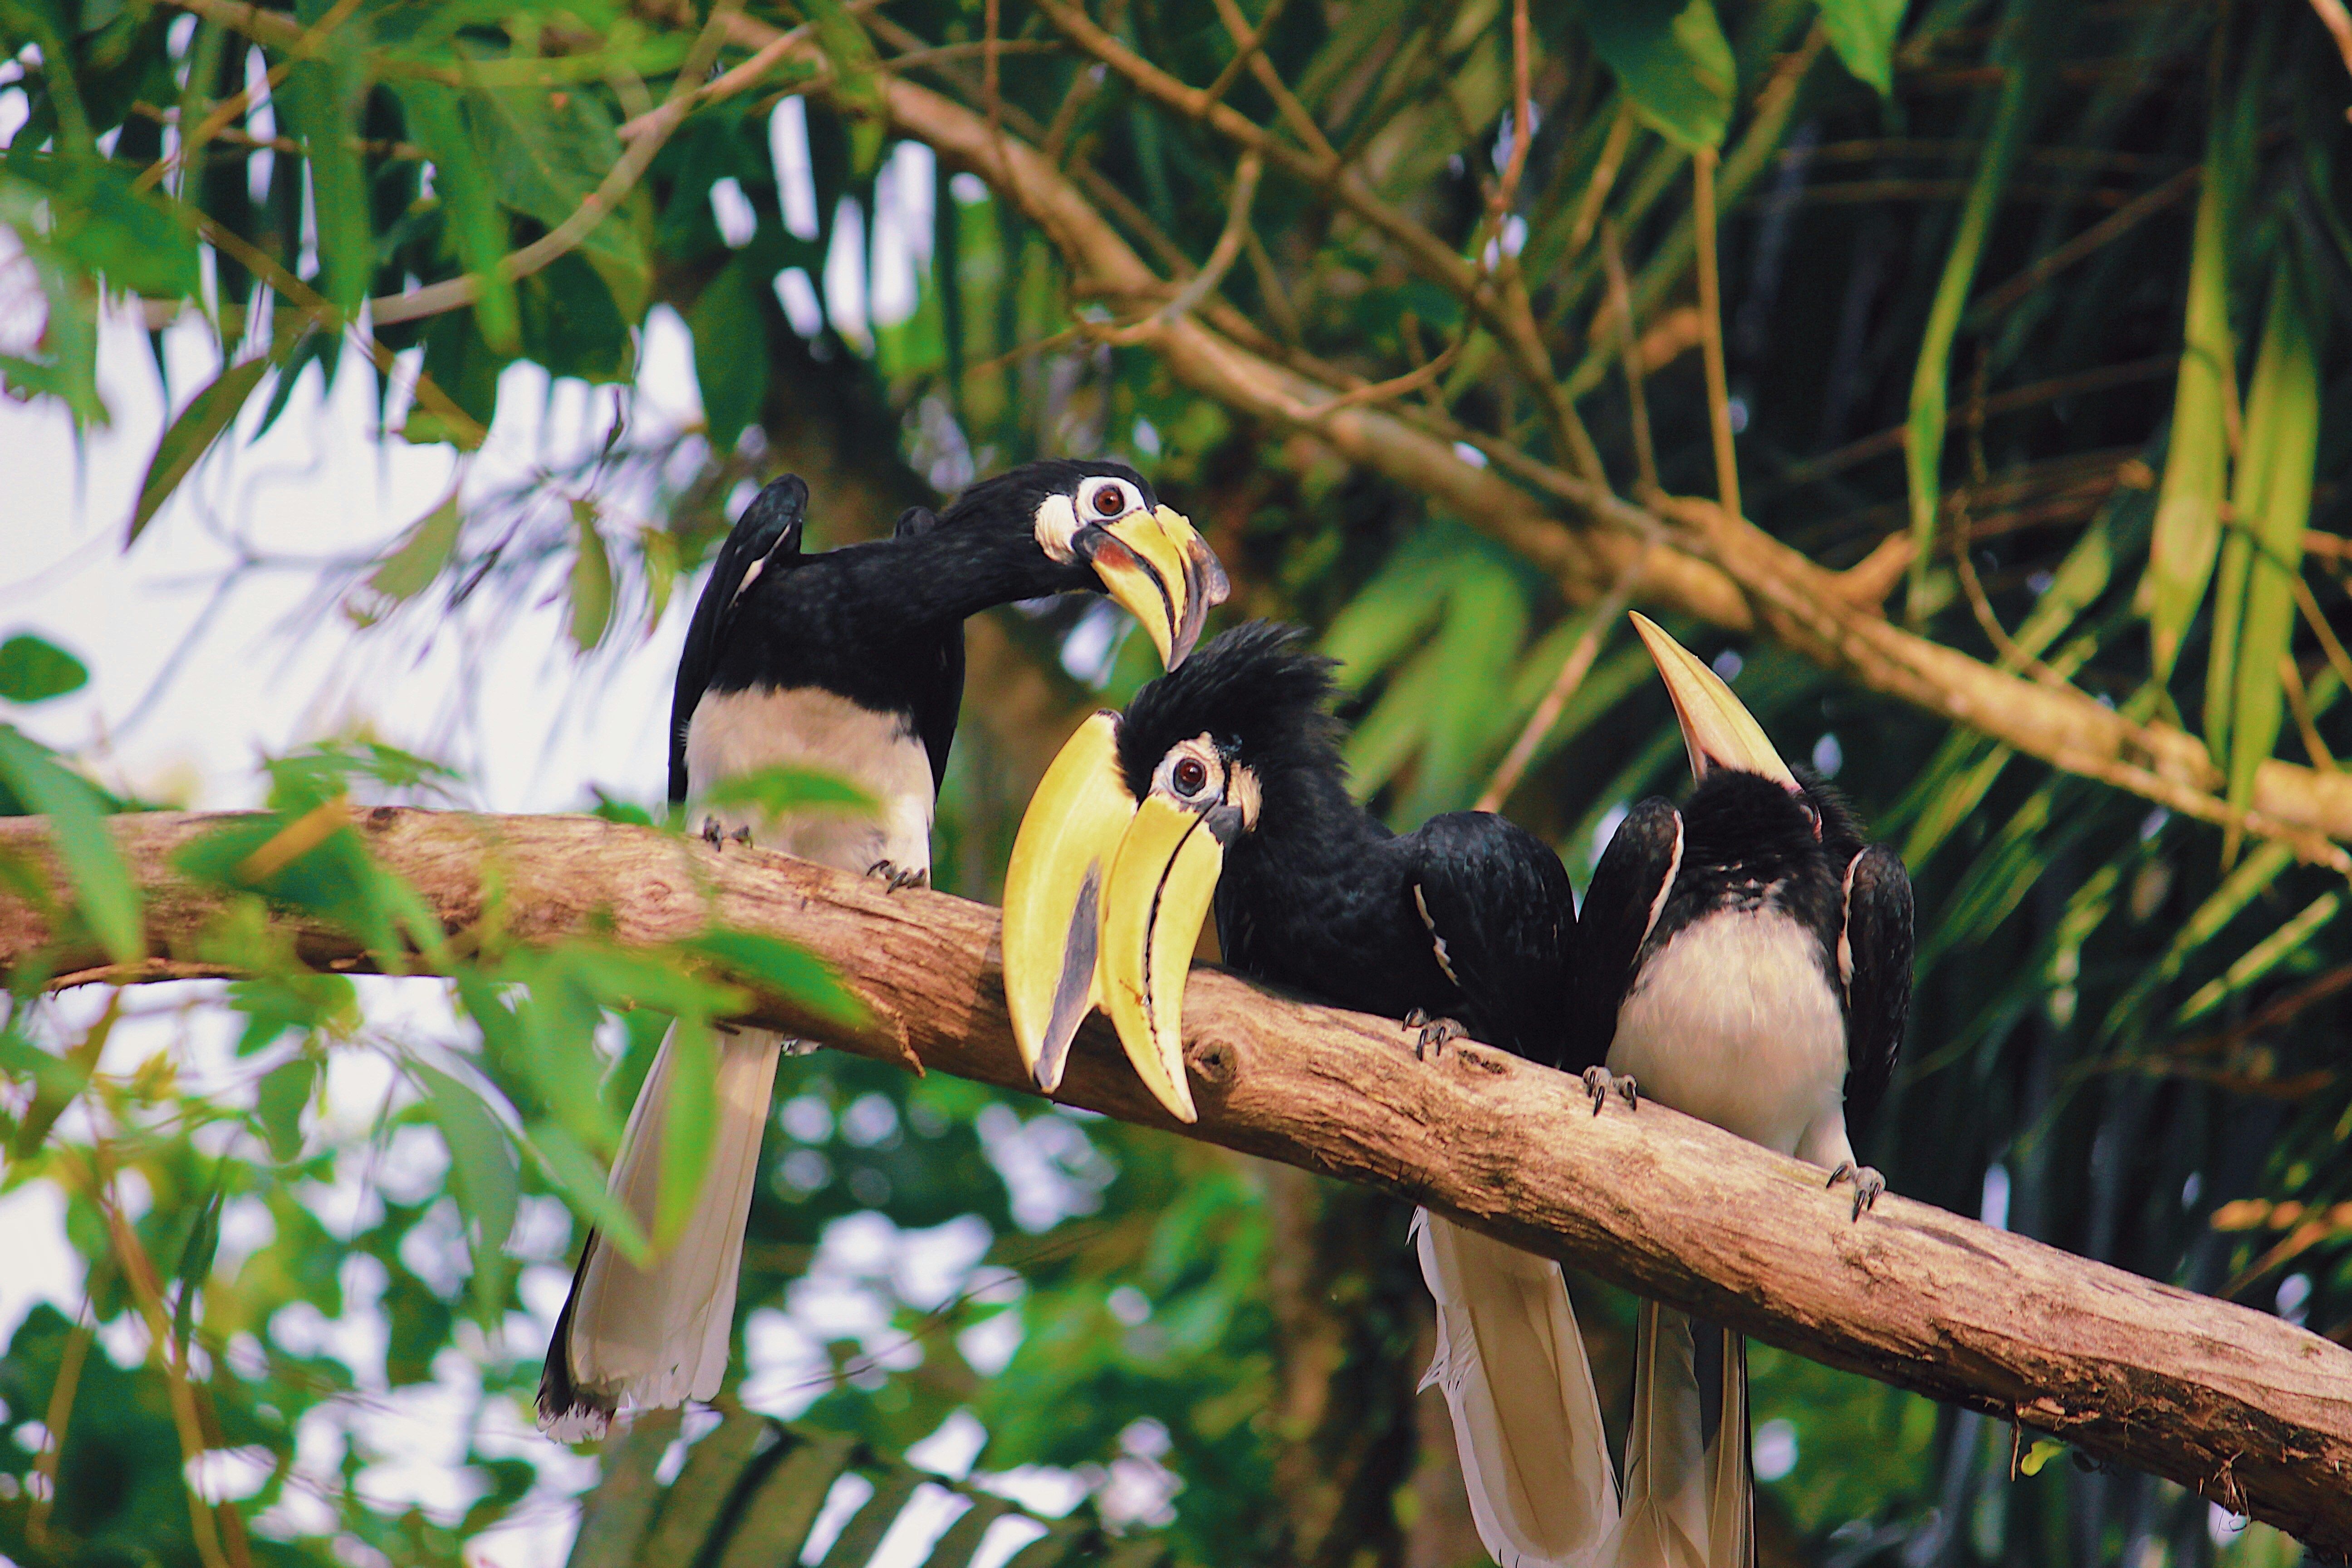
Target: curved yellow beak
{"type": "Point", "coordinates": [1717, 730]}
{"type": "Point", "coordinates": [1162, 569]}
{"type": "Point", "coordinates": [1053, 896]}
{"type": "Point", "coordinates": [1161, 886]}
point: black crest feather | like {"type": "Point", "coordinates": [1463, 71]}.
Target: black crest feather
{"type": "Point", "coordinates": [1257, 690]}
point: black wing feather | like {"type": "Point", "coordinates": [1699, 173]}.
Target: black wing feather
{"type": "Point", "coordinates": [1618, 902]}
{"type": "Point", "coordinates": [939, 692]}
{"type": "Point", "coordinates": [1878, 992]}
{"type": "Point", "coordinates": [1502, 916]}
{"type": "Point", "coordinates": [768, 534]}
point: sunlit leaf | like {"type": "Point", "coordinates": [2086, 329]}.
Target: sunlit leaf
{"type": "Point", "coordinates": [285, 1092]}
{"type": "Point", "coordinates": [581, 1182]}
{"type": "Point", "coordinates": [421, 554]}
{"type": "Point", "coordinates": [482, 1157]}
{"type": "Point", "coordinates": [730, 352]}
{"type": "Point", "coordinates": [784, 968]}
{"type": "Point", "coordinates": [476, 226]}
{"type": "Point", "coordinates": [33, 669]}
{"type": "Point", "coordinates": [592, 580]}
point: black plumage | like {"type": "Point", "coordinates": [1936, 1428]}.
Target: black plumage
{"type": "Point", "coordinates": [1468, 917]}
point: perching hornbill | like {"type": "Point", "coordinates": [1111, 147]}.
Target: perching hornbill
{"type": "Point", "coordinates": [848, 662]}
{"type": "Point", "coordinates": [1747, 960]}
{"type": "Point", "coordinates": [1223, 780]}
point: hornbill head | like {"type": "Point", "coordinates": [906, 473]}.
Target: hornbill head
{"type": "Point", "coordinates": [1101, 522]}
{"type": "Point", "coordinates": [1118, 855]}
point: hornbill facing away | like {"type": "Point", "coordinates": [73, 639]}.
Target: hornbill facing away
{"type": "Point", "coordinates": [1747, 960]}
{"type": "Point", "coordinates": [849, 662]}
{"type": "Point", "coordinates": [1223, 780]}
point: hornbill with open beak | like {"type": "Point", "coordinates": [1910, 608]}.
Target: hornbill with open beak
{"type": "Point", "coordinates": [1223, 781]}
{"type": "Point", "coordinates": [848, 662]}
{"type": "Point", "coordinates": [1747, 960]}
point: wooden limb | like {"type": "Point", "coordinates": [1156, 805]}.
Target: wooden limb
{"type": "Point", "coordinates": [2238, 1405]}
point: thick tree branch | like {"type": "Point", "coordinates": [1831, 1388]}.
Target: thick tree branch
{"type": "Point", "coordinates": [2245, 1408]}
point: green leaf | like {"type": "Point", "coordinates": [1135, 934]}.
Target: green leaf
{"type": "Point", "coordinates": [2271, 505]}
{"type": "Point", "coordinates": [2044, 1449]}
{"type": "Point", "coordinates": [421, 554]}
{"type": "Point", "coordinates": [1675, 63]}
{"type": "Point", "coordinates": [1863, 32]}
{"type": "Point", "coordinates": [731, 353]}
{"type": "Point", "coordinates": [192, 435]}
{"type": "Point", "coordinates": [196, 1264]}
{"type": "Point", "coordinates": [778, 791]}
{"type": "Point", "coordinates": [321, 100]}
{"type": "Point", "coordinates": [689, 1115]}
{"type": "Point", "coordinates": [777, 966]}
{"type": "Point", "coordinates": [778, 1516]}
{"type": "Point", "coordinates": [482, 1157]}
{"type": "Point", "coordinates": [2262, 957]}
{"type": "Point", "coordinates": [465, 370]}
{"type": "Point", "coordinates": [548, 153]}
{"type": "Point", "coordinates": [284, 1091]}
{"type": "Point", "coordinates": [857, 87]}
{"type": "Point", "coordinates": [109, 898]}
{"type": "Point", "coordinates": [34, 670]}
{"type": "Point", "coordinates": [592, 580]}
{"type": "Point", "coordinates": [477, 227]}
{"type": "Point", "coordinates": [696, 1503]}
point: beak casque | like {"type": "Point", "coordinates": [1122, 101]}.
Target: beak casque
{"type": "Point", "coordinates": [1718, 729]}
{"type": "Point", "coordinates": [1162, 571]}
{"type": "Point", "coordinates": [1053, 896]}
{"type": "Point", "coordinates": [1103, 903]}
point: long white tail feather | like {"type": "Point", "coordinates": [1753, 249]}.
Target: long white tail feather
{"type": "Point", "coordinates": [1527, 1423]}
{"type": "Point", "coordinates": [1731, 1502]}
{"type": "Point", "coordinates": [655, 1336]}
{"type": "Point", "coordinates": [1665, 1522]}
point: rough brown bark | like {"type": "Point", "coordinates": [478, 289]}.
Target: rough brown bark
{"type": "Point", "coordinates": [2245, 1408]}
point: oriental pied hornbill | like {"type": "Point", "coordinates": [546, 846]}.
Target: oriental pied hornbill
{"type": "Point", "coordinates": [1223, 780]}
{"type": "Point", "coordinates": [1746, 959]}
{"type": "Point", "coordinates": [849, 662]}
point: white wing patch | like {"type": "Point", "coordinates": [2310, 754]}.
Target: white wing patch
{"type": "Point", "coordinates": [1673, 869]}
{"type": "Point", "coordinates": [1436, 943]}
{"type": "Point", "coordinates": [1846, 924]}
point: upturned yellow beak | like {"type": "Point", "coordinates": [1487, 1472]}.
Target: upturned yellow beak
{"type": "Point", "coordinates": [1162, 571]}
{"type": "Point", "coordinates": [1717, 730]}
{"type": "Point", "coordinates": [1053, 896]}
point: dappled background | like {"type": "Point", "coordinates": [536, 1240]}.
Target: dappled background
{"type": "Point", "coordinates": [469, 536]}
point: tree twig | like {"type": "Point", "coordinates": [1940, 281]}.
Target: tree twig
{"type": "Point", "coordinates": [1710, 327]}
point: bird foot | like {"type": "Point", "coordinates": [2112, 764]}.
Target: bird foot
{"type": "Point", "coordinates": [1436, 1034]}
{"type": "Point", "coordinates": [894, 878]}
{"type": "Point", "coordinates": [714, 833]}
{"type": "Point", "coordinates": [1867, 1184]}
{"type": "Point", "coordinates": [1600, 1083]}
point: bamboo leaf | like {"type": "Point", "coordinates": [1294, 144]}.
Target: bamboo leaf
{"type": "Point", "coordinates": [476, 226]}
{"type": "Point", "coordinates": [781, 967]}
{"type": "Point", "coordinates": [110, 900]}
{"type": "Point", "coordinates": [689, 1117]}
{"type": "Point", "coordinates": [695, 1503]}
{"type": "Point", "coordinates": [731, 353]}
{"type": "Point", "coordinates": [321, 101]}
{"type": "Point", "coordinates": [1863, 32]}
{"type": "Point", "coordinates": [421, 554]}
{"type": "Point", "coordinates": [778, 1515]}
{"type": "Point", "coordinates": [2262, 958]}
{"type": "Point", "coordinates": [482, 1158]}
{"type": "Point", "coordinates": [192, 435]}
{"type": "Point", "coordinates": [2271, 502]}
{"type": "Point", "coordinates": [579, 1183]}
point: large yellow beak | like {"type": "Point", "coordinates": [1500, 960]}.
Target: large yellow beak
{"type": "Point", "coordinates": [1158, 895]}
{"type": "Point", "coordinates": [1053, 892]}
{"type": "Point", "coordinates": [1162, 571]}
{"type": "Point", "coordinates": [1718, 729]}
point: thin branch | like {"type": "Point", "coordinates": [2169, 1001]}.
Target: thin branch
{"type": "Point", "coordinates": [1221, 259]}
{"type": "Point", "coordinates": [2298, 702]}
{"type": "Point", "coordinates": [1285, 103]}
{"type": "Point", "coordinates": [1245, 53]}
{"type": "Point", "coordinates": [1637, 397]}
{"type": "Point", "coordinates": [1394, 387]}
{"type": "Point", "coordinates": [2111, 228]}
{"type": "Point", "coordinates": [1564, 685]}
{"type": "Point", "coordinates": [1710, 320]}
{"type": "Point", "coordinates": [1604, 178]}
{"type": "Point", "coordinates": [2239, 1406]}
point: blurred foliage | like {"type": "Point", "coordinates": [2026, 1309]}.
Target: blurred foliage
{"type": "Point", "coordinates": [2095, 258]}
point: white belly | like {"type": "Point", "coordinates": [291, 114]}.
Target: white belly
{"type": "Point", "coordinates": [737, 732]}
{"type": "Point", "coordinates": [1735, 1022]}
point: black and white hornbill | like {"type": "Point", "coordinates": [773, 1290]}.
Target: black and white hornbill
{"type": "Point", "coordinates": [848, 662]}
{"type": "Point", "coordinates": [1747, 960]}
{"type": "Point", "coordinates": [1223, 781]}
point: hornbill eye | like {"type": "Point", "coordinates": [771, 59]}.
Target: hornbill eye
{"type": "Point", "coordinates": [1110, 501]}
{"type": "Point", "coordinates": [1190, 776]}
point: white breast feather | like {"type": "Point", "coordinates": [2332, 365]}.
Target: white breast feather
{"type": "Point", "coordinates": [736, 732]}
{"type": "Point", "coordinates": [1735, 1022]}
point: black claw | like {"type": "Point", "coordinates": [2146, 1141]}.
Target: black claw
{"type": "Point", "coordinates": [1436, 1034]}
{"type": "Point", "coordinates": [1867, 1184]}
{"type": "Point", "coordinates": [742, 836]}
{"type": "Point", "coordinates": [712, 833]}
{"type": "Point", "coordinates": [1600, 1083]}
{"type": "Point", "coordinates": [894, 878]}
